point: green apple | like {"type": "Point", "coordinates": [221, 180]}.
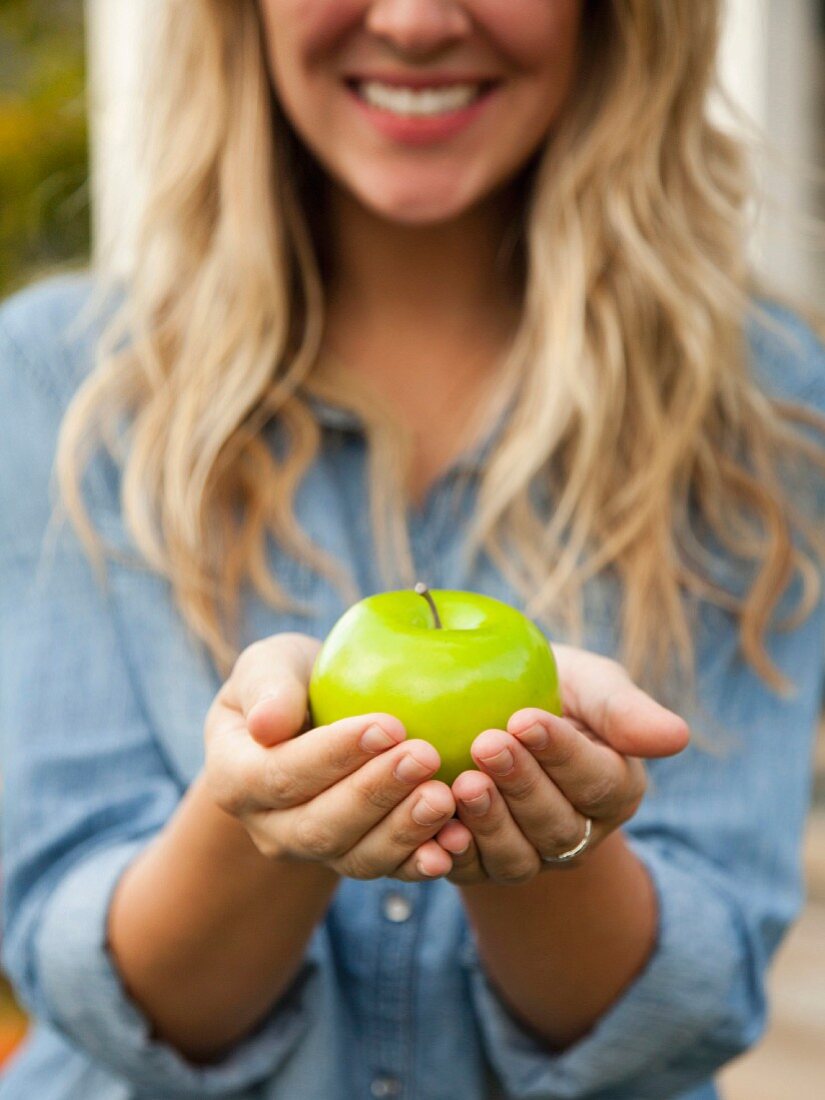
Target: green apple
{"type": "Point", "coordinates": [448, 665]}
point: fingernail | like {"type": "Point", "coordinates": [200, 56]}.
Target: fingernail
{"type": "Point", "coordinates": [422, 870]}
{"type": "Point", "coordinates": [375, 739]}
{"type": "Point", "coordinates": [409, 770]}
{"type": "Point", "coordinates": [536, 737]}
{"type": "Point", "coordinates": [501, 763]}
{"type": "Point", "coordinates": [478, 805]}
{"type": "Point", "coordinates": [425, 814]}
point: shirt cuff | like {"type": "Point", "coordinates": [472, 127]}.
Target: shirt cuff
{"type": "Point", "coordinates": [84, 995]}
{"type": "Point", "coordinates": [694, 1006]}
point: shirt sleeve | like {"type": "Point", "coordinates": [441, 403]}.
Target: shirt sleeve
{"type": "Point", "coordinates": [721, 841]}
{"type": "Point", "coordinates": [86, 785]}
{"type": "Point", "coordinates": [720, 834]}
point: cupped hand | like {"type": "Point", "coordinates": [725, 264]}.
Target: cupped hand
{"type": "Point", "coordinates": [542, 777]}
{"type": "Point", "coordinates": [354, 795]}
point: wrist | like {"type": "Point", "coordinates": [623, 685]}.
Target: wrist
{"type": "Point", "coordinates": [231, 844]}
{"type": "Point", "coordinates": [585, 931]}
{"type": "Point", "coordinates": [200, 904]}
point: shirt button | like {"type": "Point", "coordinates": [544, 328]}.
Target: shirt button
{"type": "Point", "coordinates": [396, 908]}
{"type": "Point", "coordinates": [385, 1086]}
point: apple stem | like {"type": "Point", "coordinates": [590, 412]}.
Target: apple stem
{"type": "Point", "coordinates": [424, 591]}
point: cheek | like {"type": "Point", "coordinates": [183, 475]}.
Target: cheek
{"type": "Point", "coordinates": [308, 29]}
{"type": "Point", "coordinates": [527, 31]}
{"type": "Point", "coordinates": [301, 38]}
{"type": "Point", "coordinates": [540, 40]}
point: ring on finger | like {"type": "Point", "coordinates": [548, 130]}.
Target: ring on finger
{"type": "Point", "coordinates": [579, 848]}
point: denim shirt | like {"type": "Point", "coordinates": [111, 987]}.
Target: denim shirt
{"type": "Point", "coordinates": [103, 696]}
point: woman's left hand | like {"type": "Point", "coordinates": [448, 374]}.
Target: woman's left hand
{"type": "Point", "coordinates": [542, 777]}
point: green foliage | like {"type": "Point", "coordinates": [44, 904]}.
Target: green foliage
{"type": "Point", "coordinates": [44, 191]}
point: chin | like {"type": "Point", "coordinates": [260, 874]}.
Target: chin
{"type": "Point", "coordinates": [406, 204]}
{"type": "Point", "coordinates": [416, 209]}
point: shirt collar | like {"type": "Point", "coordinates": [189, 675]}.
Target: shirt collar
{"type": "Point", "coordinates": [473, 458]}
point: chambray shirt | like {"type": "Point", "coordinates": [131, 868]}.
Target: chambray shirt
{"type": "Point", "coordinates": [103, 697]}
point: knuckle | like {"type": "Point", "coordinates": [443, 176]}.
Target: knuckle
{"type": "Point", "coordinates": [282, 786]}
{"type": "Point", "coordinates": [488, 837]}
{"type": "Point", "coordinates": [522, 787]}
{"type": "Point", "coordinates": [315, 839]}
{"type": "Point", "coordinates": [486, 828]}
{"type": "Point", "coordinates": [356, 865]}
{"type": "Point", "coordinates": [564, 836]}
{"type": "Point", "coordinates": [560, 753]}
{"type": "Point", "coordinates": [343, 754]}
{"type": "Point", "coordinates": [598, 792]}
{"type": "Point", "coordinates": [517, 871]}
{"type": "Point", "coordinates": [375, 794]}
{"type": "Point", "coordinates": [407, 834]}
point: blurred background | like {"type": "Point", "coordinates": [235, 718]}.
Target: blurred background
{"type": "Point", "coordinates": [70, 80]}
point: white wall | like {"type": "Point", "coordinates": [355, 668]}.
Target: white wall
{"type": "Point", "coordinates": [118, 37]}
{"type": "Point", "coordinates": [767, 64]}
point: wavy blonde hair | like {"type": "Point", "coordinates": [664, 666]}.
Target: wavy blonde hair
{"type": "Point", "coordinates": [633, 398]}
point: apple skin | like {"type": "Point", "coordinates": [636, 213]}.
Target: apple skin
{"type": "Point", "coordinates": [446, 685]}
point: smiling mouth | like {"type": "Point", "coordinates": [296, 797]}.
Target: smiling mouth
{"type": "Point", "coordinates": [420, 102]}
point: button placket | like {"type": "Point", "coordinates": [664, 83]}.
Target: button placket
{"type": "Point", "coordinates": [385, 1085]}
{"type": "Point", "coordinates": [430, 527]}
{"type": "Point", "coordinates": [396, 907]}
{"type": "Point", "coordinates": [390, 1028]}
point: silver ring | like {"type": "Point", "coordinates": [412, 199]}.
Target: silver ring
{"type": "Point", "coordinates": [577, 851]}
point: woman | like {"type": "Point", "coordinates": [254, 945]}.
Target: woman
{"type": "Point", "coordinates": [501, 337]}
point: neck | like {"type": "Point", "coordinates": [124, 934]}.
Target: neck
{"type": "Point", "coordinates": [453, 275]}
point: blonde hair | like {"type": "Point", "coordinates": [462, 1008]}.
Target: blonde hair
{"type": "Point", "coordinates": [633, 397]}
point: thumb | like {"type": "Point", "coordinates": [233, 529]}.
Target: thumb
{"type": "Point", "coordinates": [598, 691]}
{"type": "Point", "coordinates": [270, 682]}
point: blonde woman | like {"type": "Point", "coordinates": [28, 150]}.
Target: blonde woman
{"type": "Point", "coordinates": [448, 290]}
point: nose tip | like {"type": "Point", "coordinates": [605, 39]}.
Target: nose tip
{"type": "Point", "coordinates": [418, 26]}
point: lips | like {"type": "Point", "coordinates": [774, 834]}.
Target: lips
{"type": "Point", "coordinates": [421, 80]}
{"type": "Point", "coordinates": [420, 128]}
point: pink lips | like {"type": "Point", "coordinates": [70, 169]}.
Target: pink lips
{"type": "Point", "coordinates": [421, 131]}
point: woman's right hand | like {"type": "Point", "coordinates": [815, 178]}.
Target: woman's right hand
{"type": "Point", "coordinates": [353, 795]}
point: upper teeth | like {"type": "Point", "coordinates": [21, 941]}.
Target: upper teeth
{"type": "Point", "coordinates": [424, 101]}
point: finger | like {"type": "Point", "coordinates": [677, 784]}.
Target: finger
{"type": "Point", "coordinates": [594, 777]}
{"type": "Point", "coordinates": [457, 839]}
{"type": "Point", "coordinates": [429, 860]}
{"type": "Point", "coordinates": [303, 767]}
{"type": "Point", "coordinates": [599, 691]}
{"type": "Point", "coordinates": [246, 777]}
{"type": "Point", "coordinates": [268, 685]}
{"type": "Point", "coordinates": [389, 843]}
{"type": "Point", "coordinates": [329, 825]}
{"type": "Point", "coordinates": [506, 854]}
{"type": "Point", "coordinates": [454, 837]}
{"type": "Point", "coordinates": [537, 806]}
